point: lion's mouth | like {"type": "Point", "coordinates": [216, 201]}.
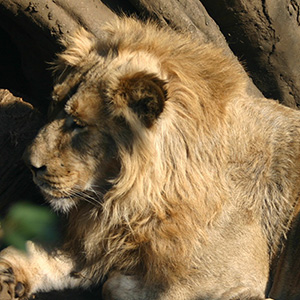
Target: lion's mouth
{"type": "Point", "coordinates": [55, 192]}
{"type": "Point", "coordinates": [54, 187]}
{"type": "Point", "coordinates": [64, 195]}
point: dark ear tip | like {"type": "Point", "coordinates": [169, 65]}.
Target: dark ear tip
{"type": "Point", "coordinates": [149, 109]}
{"type": "Point", "coordinates": [147, 97]}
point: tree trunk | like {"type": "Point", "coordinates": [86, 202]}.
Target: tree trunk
{"type": "Point", "coordinates": [265, 34]}
{"type": "Point", "coordinates": [262, 33]}
{"type": "Point", "coordinates": [19, 123]}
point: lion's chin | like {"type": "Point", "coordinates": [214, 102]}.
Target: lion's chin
{"type": "Point", "coordinates": [56, 198]}
{"type": "Point", "coordinates": [63, 205]}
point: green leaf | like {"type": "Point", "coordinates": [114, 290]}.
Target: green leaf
{"type": "Point", "coordinates": [27, 221]}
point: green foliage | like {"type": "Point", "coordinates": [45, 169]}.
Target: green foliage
{"type": "Point", "coordinates": [27, 221]}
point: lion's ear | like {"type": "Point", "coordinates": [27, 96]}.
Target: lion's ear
{"type": "Point", "coordinates": [145, 94]}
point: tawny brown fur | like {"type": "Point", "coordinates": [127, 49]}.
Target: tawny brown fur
{"type": "Point", "coordinates": [178, 184]}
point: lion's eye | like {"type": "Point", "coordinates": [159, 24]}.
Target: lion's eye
{"type": "Point", "coordinates": [75, 125]}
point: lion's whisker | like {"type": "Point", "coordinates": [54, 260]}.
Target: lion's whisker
{"type": "Point", "coordinates": [82, 195]}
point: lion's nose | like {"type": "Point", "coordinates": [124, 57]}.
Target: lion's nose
{"type": "Point", "coordinates": [38, 170]}
{"type": "Point", "coordinates": [34, 163]}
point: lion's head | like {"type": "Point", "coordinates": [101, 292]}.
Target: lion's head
{"type": "Point", "coordinates": [112, 99]}
{"type": "Point", "coordinates": [94, 114]}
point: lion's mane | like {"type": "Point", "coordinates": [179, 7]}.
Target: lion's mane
{"type": "Point", "coordinates": [187, 169]}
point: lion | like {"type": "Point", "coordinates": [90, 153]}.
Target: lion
{"type": "Point", "coordinates": [177, 184]}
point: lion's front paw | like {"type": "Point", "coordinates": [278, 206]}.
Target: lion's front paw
{"type": "Point", "coordinates": [10, 287]}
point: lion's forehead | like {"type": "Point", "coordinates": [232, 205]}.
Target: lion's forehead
{"type": "Point", "coordinates": [86, 105]}
{"type": "Point", "coordinates": [106, 72]}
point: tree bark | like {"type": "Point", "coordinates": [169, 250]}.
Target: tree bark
{"type": "Point", "coordinates": [265, 34]}
{"type": "Point", "coordinates": [35, 27]}
{"type": "Point", "coordinates": [19, 123]}
{"type": "Point", "coordinates": [286, 277]}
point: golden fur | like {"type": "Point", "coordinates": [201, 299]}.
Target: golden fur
{"type": "Point", "coordinates": [173, 178]}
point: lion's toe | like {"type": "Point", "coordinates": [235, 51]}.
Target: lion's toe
{"type": "Point", "coordinates": [10, 288]}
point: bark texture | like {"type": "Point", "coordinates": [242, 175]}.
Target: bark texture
{"type": "Point", "coordinates": [19, 123]}
{"type": "Point", "coordinates": [265, 34]}
{"type": "Point", "coordinates": [286, 279]}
